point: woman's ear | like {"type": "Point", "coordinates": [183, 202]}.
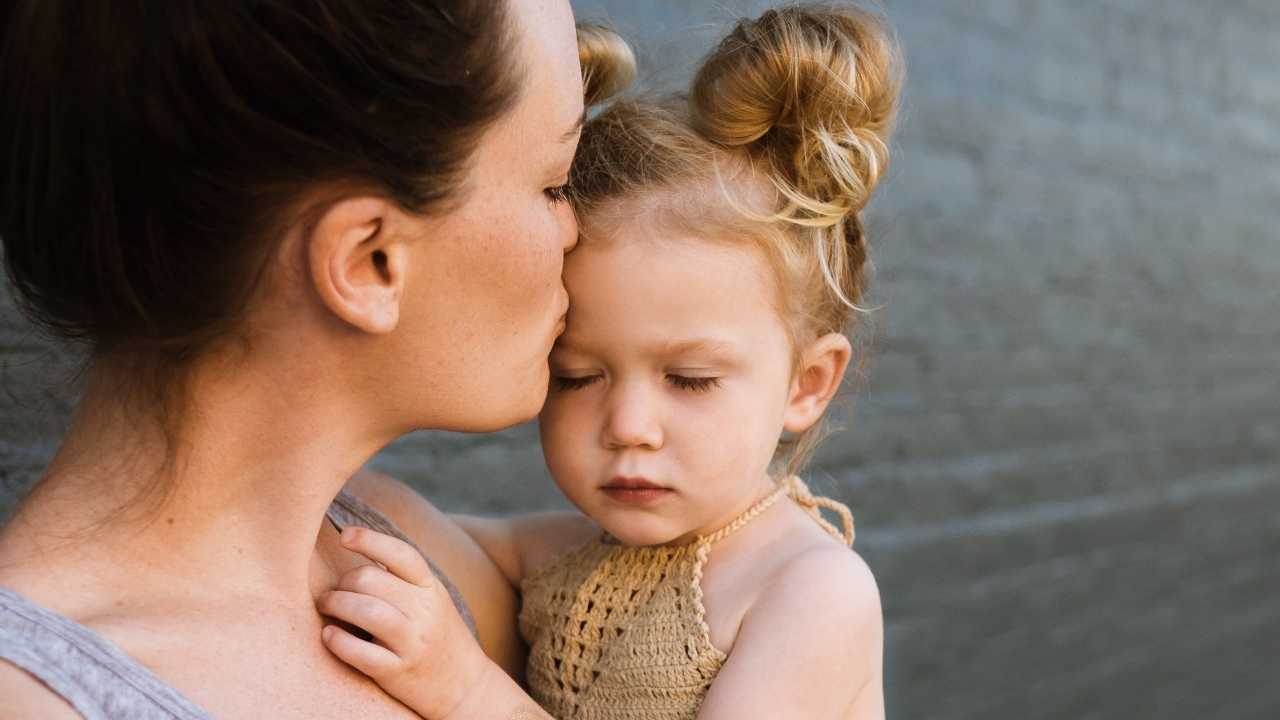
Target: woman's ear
{"type": "Point", "coordinates": [822, 367]}
{"type": "Point", "coordinates": [356, 265]}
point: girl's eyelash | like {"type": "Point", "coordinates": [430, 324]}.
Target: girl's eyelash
{"type": "Point", "coordinates": [572, 383]}
{"type": "Point", "coordinates": [696, 384]}
{"type": "Point", "coordinates": [693, 384]}
{"type": "Point", "coordinates": [558, 194]}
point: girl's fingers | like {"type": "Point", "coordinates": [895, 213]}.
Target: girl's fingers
{"type": "Point", "coordinates": [369, 658]}
{"type": "Point", "coordinates": [374, 615]}
{"type": "Point", "coordinates": [374, 580]}
{"type": "Point", "coordinates": [399, 557]}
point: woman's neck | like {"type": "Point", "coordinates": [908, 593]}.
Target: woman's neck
{"type": "Point", "coordinates": [233, 502]}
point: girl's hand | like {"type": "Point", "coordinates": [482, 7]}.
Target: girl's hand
{"type": "Point", "coordinates": [422, 653]}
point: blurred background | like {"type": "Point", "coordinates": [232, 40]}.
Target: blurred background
{"type": "Point", "coordinates": [1065, 459]}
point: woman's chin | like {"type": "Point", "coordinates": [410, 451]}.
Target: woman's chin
{"type": "Point", "coordinates": [495, 421]}
{"type": "Point", "coordinates": [516, 405]}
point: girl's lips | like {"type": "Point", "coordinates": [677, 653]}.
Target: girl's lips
{"type": "Point", "coordinates": [635, 491]}
{"type": "Point", "coordinates": [621, 481]}
{"type": "Point", "coordinates": [637, 495]}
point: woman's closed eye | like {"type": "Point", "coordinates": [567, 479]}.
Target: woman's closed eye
{"type": "Point", "coordinates": [557, 193]}
{"type": "Point", "coordinates": [693, 384]}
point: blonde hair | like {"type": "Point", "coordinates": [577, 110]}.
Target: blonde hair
{"type": "Point", "coordinates": [788, 120]}
{"type": "Point", "coordinates": [608, 65]}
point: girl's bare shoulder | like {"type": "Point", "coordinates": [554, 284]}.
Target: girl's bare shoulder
{"type": "Point", "coordinates": [816, 603]}
{"type": "Point", "coordinates": [547, 536]}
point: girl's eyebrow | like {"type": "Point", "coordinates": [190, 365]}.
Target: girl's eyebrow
{"type": "Point", "coordinates": [696, 346]}
{"type": "Point", "coordinates": [670, 348]}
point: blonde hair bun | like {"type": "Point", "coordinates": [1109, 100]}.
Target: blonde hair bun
{"type": "Point", "coordinates": [812, 91]}
{"type": "Point", "coordinates": [608, 64]}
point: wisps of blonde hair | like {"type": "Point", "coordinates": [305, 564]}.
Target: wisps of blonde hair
{"type": "Point", "coordinates": [800, 101]}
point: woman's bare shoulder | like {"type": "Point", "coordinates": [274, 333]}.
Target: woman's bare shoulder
{"type": "Point", "coordinates": [490, 597]}
{"type": "Point", "coordinates": [396, 500]}
{"type": "Point", "coordinates": [24, 696]}
{"type": "Point", "coordinates": [426, 525]}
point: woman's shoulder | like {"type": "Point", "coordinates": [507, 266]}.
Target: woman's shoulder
{"type": "Point", "coordinates": [25, 696]}
{"type": "Point", "coordinates": [428, 527]}
{"type": "Point", "coordinates": [484, 587]}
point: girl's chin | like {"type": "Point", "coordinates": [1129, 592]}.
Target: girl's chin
{"type": "Point", "coordinates": [639, 536]}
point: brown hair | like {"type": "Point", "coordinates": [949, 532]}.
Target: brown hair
{"type": "Point", "coordinates": [150, 152]}
{"type": "Point", "coordinates": [788, 122]}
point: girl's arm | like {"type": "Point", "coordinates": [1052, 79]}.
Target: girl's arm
{"type": "Point", "coordinates": [811, 647]}
{"type": "Point", "coordinates": [521, 544]}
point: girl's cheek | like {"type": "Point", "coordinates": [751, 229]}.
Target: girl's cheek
{"type": "Point", "coordinates": [562, 421]}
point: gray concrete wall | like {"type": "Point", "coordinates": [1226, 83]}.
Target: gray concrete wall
{"type": "Point", "coordinates": [1066, 459]}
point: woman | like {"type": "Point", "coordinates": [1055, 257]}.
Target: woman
{"type": "Point", "coordinates": [289, 232]}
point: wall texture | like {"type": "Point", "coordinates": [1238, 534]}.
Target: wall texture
{"type": "Point", "coordinates": [1066, 458]}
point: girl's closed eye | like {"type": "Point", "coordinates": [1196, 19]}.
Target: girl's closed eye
{"type": "Point", "coordinates": [564, 382]}
{"type": "Point", "coordinates": [694, 384]}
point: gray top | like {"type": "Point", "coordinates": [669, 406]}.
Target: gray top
{"type": "Point", "coordinates": [98, 679]}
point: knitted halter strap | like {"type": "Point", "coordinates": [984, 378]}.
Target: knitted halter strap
{"type": "Point", "coordinates": [797, 490]}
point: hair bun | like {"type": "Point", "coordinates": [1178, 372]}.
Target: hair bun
{"type": "Point", "coordinates": [811, 90]}
{"type": "Point", "coordinates": [608, 64]}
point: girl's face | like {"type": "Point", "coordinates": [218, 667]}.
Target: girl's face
{"type": "Point", "coordinates": [668, 387]}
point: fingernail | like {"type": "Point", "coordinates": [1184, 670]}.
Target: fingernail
{"type": "Point", "coordinates": [327, 633]}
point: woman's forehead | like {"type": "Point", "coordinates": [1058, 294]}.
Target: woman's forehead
{"type": "Point", "coordinates": [547, 57]}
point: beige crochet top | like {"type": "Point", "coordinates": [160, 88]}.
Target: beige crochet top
{"type": "Point", "coordinates": [620, 633]}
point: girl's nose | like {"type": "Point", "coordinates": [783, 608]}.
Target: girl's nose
{"type": "Point", "coordinates": [633, 420]}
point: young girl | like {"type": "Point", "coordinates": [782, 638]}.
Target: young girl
{"type": "Point", "coordinates": [721, 259]}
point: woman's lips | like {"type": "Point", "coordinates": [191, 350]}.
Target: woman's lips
{"type": "Point", "coordinates": [635, 491]}
{"type": "Point", "coordinates": [563, 316]}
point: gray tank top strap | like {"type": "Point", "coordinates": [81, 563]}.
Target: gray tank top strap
{"type": "Point", "coordinates": [94, 676]}
{"type": "Point", "coordinates": [347, 509]}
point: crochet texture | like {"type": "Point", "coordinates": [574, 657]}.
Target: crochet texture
{"type": "Point", "coordinates": [620, 633]}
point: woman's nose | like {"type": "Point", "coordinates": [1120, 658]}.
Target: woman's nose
{"type": "Point", "coordinates": [633, 420]}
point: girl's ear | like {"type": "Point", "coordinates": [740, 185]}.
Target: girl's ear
{"type": "Point", "coordinates": [822, 367]}
{"type": "Point", "coordinates": [356, 265]}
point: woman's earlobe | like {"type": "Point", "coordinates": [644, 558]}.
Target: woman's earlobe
{"type": "Point", "coordinates": [356, 265]}
{"type": "Point", "coordinates": [822, 367]}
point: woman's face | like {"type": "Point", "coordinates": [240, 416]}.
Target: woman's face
{"type": "Point", "coordinates": [486, 301]}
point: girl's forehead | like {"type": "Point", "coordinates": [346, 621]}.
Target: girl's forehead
{"type": "Point", "coordinates": [728, 193]}
{"type": "Point", "coordinates": [642, 251]}
{"type": "Point", "coordinates": [646, 287]}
